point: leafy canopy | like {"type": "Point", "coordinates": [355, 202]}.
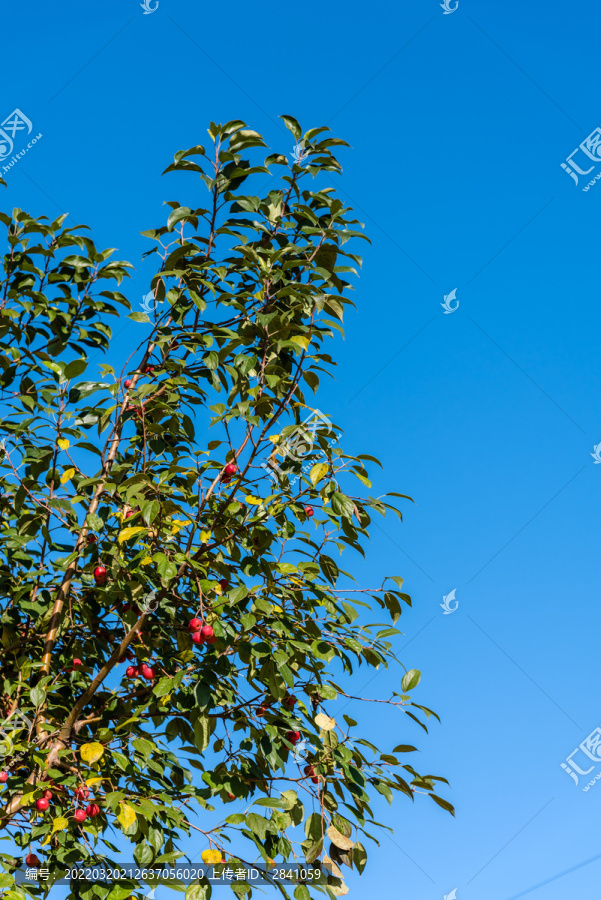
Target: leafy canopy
{"type": "Point", "coordinates": [120, 523]}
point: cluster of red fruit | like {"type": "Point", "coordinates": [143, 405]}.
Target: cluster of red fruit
{"type": "Point", "coordinates": [229, 472]}
{"type": "Point", "coordinates": [200, 632]}
{"type": "Point", "coordinates": [80, 815]}
{"type": "Point", "coordinates": [143, 670]}
{"type": "Point", "coordinates": [148, 370]}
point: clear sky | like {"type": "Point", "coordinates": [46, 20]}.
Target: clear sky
{"type": "Point", "coordinates": [486, 416]}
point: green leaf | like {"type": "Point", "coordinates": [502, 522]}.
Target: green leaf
{"type": "Point", "coordinates": [292, 125]}
{"type": "Point", "coordinates": [410, 679]}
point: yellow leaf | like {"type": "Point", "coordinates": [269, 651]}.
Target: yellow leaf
{"type": "Point", "coordinates": [67, 474]}
{"type": "Point", "coordinates": [342, 842]}
{"type": "Point", "coordinates": [325, 722]}
{"type": "Point", "coordinates": [63, 443]}
{"type": "Point", "coordinates": [127, 815]}
{"type": "Point", "coordinates": [59, 824]}
{"type": "Point", "coordinates": [317, 472]}
{"type": "Point", "coordinates": [300, 340]}
{"type": "Point", "coordinates": [332, 868]}
{"type": "Point", "coordinates": [274, 438]}
{"type": "Point", "coordinates": [90, 753]}
{"type": "Point", "coordinates": [129, 532]}
{"type": "Point", "coordinates": [211, 857]}
{"type": "Point", "coordinates": [95, 780]}
{"type": "Point", "coordinates": [146, 561]}
{"type": "Point", "coordinates": [205, 536]}
{"type": "Point", "coordinates": [254, 501]}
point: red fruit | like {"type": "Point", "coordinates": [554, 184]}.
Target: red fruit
{"type": "Point", "coordinates": [129, 514]}
{"type": "Point", "coordinates": [310, 771]}
{"type": "Point", "coordinates": [77, 662]}
{"type": "Point", "coordinates": [231, 796]}
{"type": "Point", "coordinates": [293, 737]}
{"type": "Point", "coordinates": [194, 624]}
{"type": "Point", "coordinates": [92, 810]}
{"type": "Point", "coordinates": [228, 471]}
{"type": "Point", "coordinates": [48, 795]}
{"type": "Point", "coordinates": [91, 539]}
{"type": "Point", "coordinates": [197, 638]}
{"type": "Point", "coordinates": [127, 384]}
{"type": "Point", "coordinates": [32, 860]}
{"type": "Point", "coordinates": [148, 672]}
{"type": "Point", "coordinates": [261, 710]}
{"type": "Point", "coordinates": [224, 584]}
{"type": "Point", "coordinates": [207, 632]}
{"type": "Point", "coordinates": [42, 804]}
{"type": "Point", "coordinates": [289, 702]}
{"type": "Point", "coordinates": [82, 793]}
{"type": "Point", "coordinates": [309, 511]}
{"type": "Point", "coordinates": [3, 777]}
{"type": "Point", "coordinates": [149, 370]}
{"type": "Point", "coordinates": [100, 575]}
{"type": "Point", "coordinates": [131, 671]}
{"type": "Point", "coordinates": [212, 640]}
{"type": "Point", "coordinates": [80, 815]}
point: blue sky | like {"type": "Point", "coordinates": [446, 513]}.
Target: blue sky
{"type": "Point", "coordinates": [487, 416]}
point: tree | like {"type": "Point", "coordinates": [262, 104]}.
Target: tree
{"type": "Point", "coordinates": [173, 612]}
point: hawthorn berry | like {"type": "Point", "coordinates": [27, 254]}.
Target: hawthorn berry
{"type": "Point", "coordinates": [92, 809]}
{"type": "Point", "coordinates": [32, 861]}
{"type": "Point", "coordinates": [80, 815]}
{"type": "Point", "coordinates": [207, 632]}
{"type": "Point", "coordinates": [100, 575]}
{"type": "Point", "coordinates": [309, 511]}
{"type": "Point", "coordinates": [194, 624]}
{"type": "Point", "coordinates": [42, 804]}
